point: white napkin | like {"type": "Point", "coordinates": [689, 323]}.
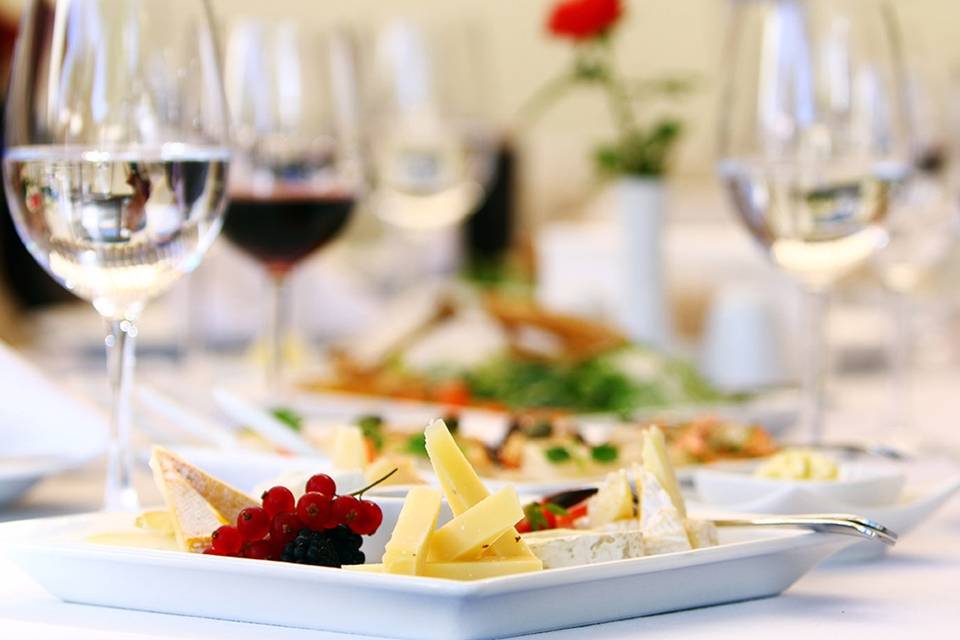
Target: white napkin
{"type": "Point", "coordinates": [38, 418]}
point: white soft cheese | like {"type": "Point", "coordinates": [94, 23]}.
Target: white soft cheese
{"type": "Point", "coordinates": [663, 528]}
{"type": "Point", "coordinates": [570, 548]}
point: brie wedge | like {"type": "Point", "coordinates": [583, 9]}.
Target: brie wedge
{"type": "Point", "coordinates": [570, 548]}
{"type": "Point", "coordinates": [662, 525]}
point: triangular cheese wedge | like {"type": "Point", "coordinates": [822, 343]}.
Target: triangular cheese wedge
{"type": "Point", "coordinates": [191, 515]}
{"type": "Point", "coordinates": [225, 499]}
{"type": "Point", "coordinates": [661, 522]}
{"type": "Point", "coordinates": [657, 461]}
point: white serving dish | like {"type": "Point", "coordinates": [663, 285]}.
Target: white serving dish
{"type": "Point", "coordinates": [750, 563]}
{"type": "Point", "coordinates": [862, 483]}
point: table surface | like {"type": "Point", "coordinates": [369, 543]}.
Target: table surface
{"type": "Point", "coordinates": [912, 592]}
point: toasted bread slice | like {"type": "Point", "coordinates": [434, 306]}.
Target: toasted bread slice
{"type": "Point", "coordinates": [226, 500]}
{"type": "Point", "coordinates": [191, 516]}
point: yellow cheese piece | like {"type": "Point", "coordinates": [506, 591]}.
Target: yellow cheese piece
{"type": "Point", "coordinates": [469, 570]}
{"type": "Point", "coordinates": [138, 539]}
{"type": "Point", "coordinates": [406, 552]}
{"type": "Point", "coordinates": [613, 500]}
{"type": "Point", "coordinates": [155, 520]}
{"type": "Point", "coordinates": [406, 471]}
{"type": "Point", "coordinates": [226, 500]}
{"type": "Point", "coordinates": [192, 517]}
{"type": "Point", "coordinates": [462, 486]}
{"type": "Point", "coordinates": [656, 461]}
{"type": "Point", "coordinates": [349, 448]}
{"type": "Point", "coordinates": [476, 529]}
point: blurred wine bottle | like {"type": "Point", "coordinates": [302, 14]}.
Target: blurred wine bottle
{"type": "Point", "coordinates": [489, 230]}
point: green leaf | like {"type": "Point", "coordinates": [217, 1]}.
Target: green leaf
{"type": "Point", "coordinates": [372, 429]}
{"type": "Point", "coordinates": [417, 445]}
{"type": "Point", "coordinates": [605, 453]}
{"type": "Point", "coordinates": [557, 454]}
{"type": "Point", "coordinates": [533, 513]}
{"type": "Point", "coordinates": [555, 509]}
{"type": "Point", "coordinates": [288, 417]}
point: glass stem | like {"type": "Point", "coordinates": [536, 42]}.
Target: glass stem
{"type": "Point", "coordinates": [901, 370]}
{"type": "Point", "coordinates": [120, 494]}
{"type": "Point", "coordinates": [278, 322]}
{"type": "Point", "coordinates": [815, 371]}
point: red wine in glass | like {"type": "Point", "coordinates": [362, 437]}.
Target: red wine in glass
{"type": "Point", "coordinates": [281, 229]}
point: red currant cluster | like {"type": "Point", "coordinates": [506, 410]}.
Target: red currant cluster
{"type": "Point", "coordinates": [263, 532]}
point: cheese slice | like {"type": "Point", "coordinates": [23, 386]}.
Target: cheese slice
{"type": "Point", "coordinates": [406, 552]}
{"type": "Point", "coordinates": [406, 471]}
{"type": "Point", "coordinates": [702, 533]}
{"type": "Point", "coordinates": [657, 462]}
{"type": "Point", "coordinates": [156, 521]}
{"type": "Point", "coordinates": [139, 539]}
{"type": "Point", "coordinates": [662, 525]}
{"type": "Point", "coordinates": [470, 570]}
{"type": "Point", "coordinates": [570, 548]}
{"type": "Point", "coordinates": [476, 529]}
{"type": "Point", "coordinates": [349, 448]}
{"type": "Point", "coordinates": [462, 486]}
{"type": "Point", "coordinates": [613, 500]}
{"type": "Point", "coordinates": [192, 517]}
{"type": "Point", "coordinates": [226, 500]}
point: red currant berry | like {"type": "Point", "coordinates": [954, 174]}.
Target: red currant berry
{"type": "Point", "coordinates": [253, 523]}
{"type": "Point", "coordinates": [313, 509]}
{"type": "Point", "coordinates": [346, 510]}
{"type": "Point", "coordinates": [277, 500]}
{"type": "Point", "coordinates": [226, 540]}
{"type": "Point", "coordinates": [322, 483]}
{"type": "Point", "coordinates": [285, 527]}
{"type": "Point", "coordinates": [260, 550]}
{"type": "Point", "coordinates": [210, 551]}
{"type": "Point", "coordinates": [370, 518]}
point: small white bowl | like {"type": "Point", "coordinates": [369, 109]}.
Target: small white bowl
{"type": "Point", "coordinates": [859, 484]}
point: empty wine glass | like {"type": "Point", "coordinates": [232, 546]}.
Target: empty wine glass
{"type": "Point", "coordinates": [297, 170]}
{"type": "Point", "coordinates": [116, 163]}
{"type": "Point", "coordinates": [814, 144]}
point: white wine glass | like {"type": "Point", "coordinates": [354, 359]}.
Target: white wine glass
{"type": "Point", "coordinates": [116, 164]}
{"type": "Point", "coordinates": [814, 144]}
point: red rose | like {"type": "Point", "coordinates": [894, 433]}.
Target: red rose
{"type": "Point", "coordinates": [584, 19]}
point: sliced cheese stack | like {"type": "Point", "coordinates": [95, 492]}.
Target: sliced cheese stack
{"type": "Point", "coordinates": [479, 542]}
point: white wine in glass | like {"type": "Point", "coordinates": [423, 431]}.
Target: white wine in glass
{"type": "Point", "coordinates": [814, 144]}
{"type": "Point", "coordinates": [116, 164]}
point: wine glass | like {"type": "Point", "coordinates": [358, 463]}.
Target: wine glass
{"type": "Point", "coordinates": [297, 171]}
{"type": "Point", "coordinates": [116, 164]}
{"type": "Point", "coordinates": [814, 144]}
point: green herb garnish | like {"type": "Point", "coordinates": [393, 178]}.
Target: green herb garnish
{"type": "Point", "coordinates": [288, 417]}
{"type": "Point", "coordinates": [557, 454]}
{"type": "Point", "coordinates": [542, 429]}
{"type": "Point", "coordinates": [417, 445]}
{"type": "Point", "coordinates": [533, 513]}
{"type": "Point", "coordinates": [372, 429]}
{"type": "Point", "coordinates": [555, 509]}
{"type": "Point", "coordinates": [604, 453]}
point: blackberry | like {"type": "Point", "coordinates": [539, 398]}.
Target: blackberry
{"type": "Point", "coordinates": [345, 538]}
{"type": "Point", "coordinates": [311, 547]}
{"type": "Point", "coordinates": [329, 548]}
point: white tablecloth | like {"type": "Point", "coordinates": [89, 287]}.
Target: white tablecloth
{"type": "Point", "coordinates": [912, 593]}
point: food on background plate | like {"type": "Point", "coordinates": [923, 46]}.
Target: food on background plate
{"type": "Point", "coordinates": [799, 464]}
{"type": "Point", "coordinates": [463, 348]}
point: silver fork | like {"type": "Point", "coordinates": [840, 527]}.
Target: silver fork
{"type": "Point", "coordinates": [831, 523]}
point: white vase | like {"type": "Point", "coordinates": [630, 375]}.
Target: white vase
{"type": "Point", "coordinates": [638, 216]}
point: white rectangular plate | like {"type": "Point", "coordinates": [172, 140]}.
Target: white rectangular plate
{"type": "Point", "coordinates": [750, 563]}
